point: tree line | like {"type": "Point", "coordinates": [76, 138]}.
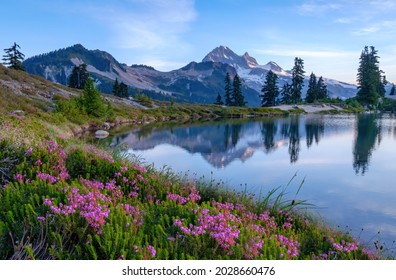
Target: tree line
{"type": "Point", "coordinates": [371, 85]}
{"type": "Point", "coordinates": [232, 92]}
{"type": "Point", "coordinates": [371, 82]}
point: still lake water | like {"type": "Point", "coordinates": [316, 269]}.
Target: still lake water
{"type": "Point", "coordinates": [348, 162]}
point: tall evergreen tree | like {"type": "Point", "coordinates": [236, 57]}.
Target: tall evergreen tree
{"type": "Point", "coordinates": [227, 90]}
{"type": "Point", "coordinates": [116, 88]}
{"type": "Point", "coordinates": [322, 89]}
{"type": "Point", "coordinates": [392, 91]}
{"type": "Point", "coordinates": [297, 80]}
{"type": "Point", "coordinates": [218, 100]}
{"type": "Point", "coordinates": [369, 77]}
{"type": "Point", "coordinates": [79, 77]}
{"type": "Point", "coordinates": [312, 92]}
{"type": "Point", "coordinates": [381, 86]}
{"type": "Point", "coordinates": [286, 94]}
{"type": "Point", "coordinates": [13, 57]}
{"type": "Point", "coordinates": [237, 96]}
{"type": "Point", "coordinates": [270, 90]}
{"type": "Point", "coordinates": [92, 100]}
{"type": "Point", "coordinates": [123, 90]}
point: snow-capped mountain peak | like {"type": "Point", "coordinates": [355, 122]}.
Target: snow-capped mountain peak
{"type": "Point", "coordinates": [251, 61]}
{"type": "Point", "coordinates": [273, 66]}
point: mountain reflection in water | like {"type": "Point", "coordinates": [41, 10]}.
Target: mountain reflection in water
{"type": "Point", "coordinates": [223, 142]}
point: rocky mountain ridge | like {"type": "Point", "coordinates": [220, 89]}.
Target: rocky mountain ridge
{"type": "Point", "coordinates": [197, 82]}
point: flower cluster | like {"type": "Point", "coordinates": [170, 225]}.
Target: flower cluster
{"type": "Point", "coordinates": [46, 177]}
{"type": "Point", "coordinates": [225, 222]}
{"type": "Point", "coordinates": [96, 152]}
{"type": "Point", "coordinates": [345, 246]}
{"type": "Point", "coordinates": [149, 251]}
{"type": "Point", "coordinates": [290, 245]}
{"type": "Point", "coordinates": [193, 197]}
{"type": "Point", "coordinates": [135, 213]}
{"type": "Point", "coordinates": [19, 177]}
{"type": "Point", "coordinates": [91, 206]}
{"type": "Point", "coordinates": [222, 226]}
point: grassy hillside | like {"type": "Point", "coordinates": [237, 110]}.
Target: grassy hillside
{"type": "Point", "coordinates": [61, 198]}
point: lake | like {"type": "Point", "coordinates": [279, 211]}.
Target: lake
{"type": "Point", "coordinates": [347, 162]}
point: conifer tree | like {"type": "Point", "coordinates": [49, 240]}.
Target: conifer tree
{"type": "Point", "coordinates": [79, 77]}
{"type": "Point", "coordinates": [286, 94]}
{"type": "Point", "coordinates": [92, 100]}
{"type": "Point", "coordinates": [237, 96]}
{"type": "Point", "coordinates": [270, 90]}
{"type": "Point", "coordinates": [123, 90]}
{"type": "Point", "coordinates": [227, 90]}
{"type": "Point", "coordinates": [370, 81]}
{"type": "Point", "coordinates": [322, 89]}
{"type": "Point", "coordinates": [297, 80]}
{"type": "Point", "coordinates": [313, 89]}
{"type": "Point", "coordinates": [116, 88]}
{"type": "Point", "coordinates": [218, 100]}
{"type": "Point", "coordinates": [381, 86]}
{"type": "Point", "coordinates": [13, 57]}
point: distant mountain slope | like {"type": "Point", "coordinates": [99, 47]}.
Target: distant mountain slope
{"type": "Point", "coordinates": [197, 82]}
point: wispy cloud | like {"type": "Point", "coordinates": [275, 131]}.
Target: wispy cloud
{"type": "Point", "coordinates": [378, 28]}
{"type": "Point", "coordinates": [317, 7]}
{"type": "Point", "coordinates": [150, 24]}
{"type": "Point", "coordinates": [306, 53]}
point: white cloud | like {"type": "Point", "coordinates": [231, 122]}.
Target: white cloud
{"type": "Point", "coordinates": [306, 53]}
{"type": "Point", "coordinates": [344, 20]}
{"type": "Point", "coordinates": [378, 28]}
{"type": "Point", "coordinates": [159, 63]}
{"type": "Point", "coordinates": [146, 25]}
{"type": "Point", "coordinates": [317, 7]}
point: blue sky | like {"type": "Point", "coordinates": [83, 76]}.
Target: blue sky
{"type": "Point", "coordinates": [168, 34]}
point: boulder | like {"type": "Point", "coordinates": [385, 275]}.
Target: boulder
{"type": "Point", "coordinates": [100, 134]}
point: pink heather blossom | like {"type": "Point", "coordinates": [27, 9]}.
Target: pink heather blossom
{"type": "Point", "coordinates": [135, 213]}
{"type": "Point", "coordinates": [90, 206]}
{"type": "Point", "coordinates": [29, 151]}
{"type": "Point", "coordinates": [194, 195]}
{"type": "Point", "coordinates": [41, 218]}
{"type": "Point", "coordinates": [175, 197]}
{"type": "Point", "coordinates": [289, 244]}
{"type": "Point", "coordinates": [133, 194]}
{"type": "Point", "coordinates": [287, 225]}
{"type": "Point", "coordinates": [46, 177]}
{"type": "Point", "coordinates": [124, 169]}
{"type": "Point", "coordinates": [346, 246]}
{"type": "Point", "coordinates": [133, 183]}
{"type": "Point", "coordinates": [52, 146]}
{"type": "Point", "coordinates": [141, 178]}
{"type": "Point", "coordinates": [19, 177]}
{"type": "Point", "coordinates": [150, 249]}
{"type": "Point", "coordinates": [47, 202]}
{"type": "Point", "coordinates": [99, 154]}
{"type": "Point", "coordinates": [38, 162]}
{"type": "Point", "coordinates": [140, 168]}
